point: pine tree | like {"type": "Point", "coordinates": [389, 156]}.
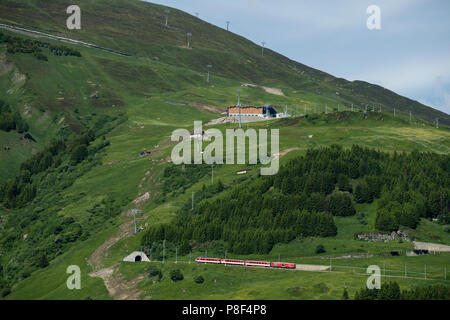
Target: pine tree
{"type": "Point", "coordinates": [345, 294]}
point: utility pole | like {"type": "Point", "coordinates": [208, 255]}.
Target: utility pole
{"type": "Point", "coordinates": [189, 36]}
{"type": "Point", "coordinates": [212, 174]}
{"type": "Point", "coordinates": [209, 66]}
{"type": "Point", "coordinates": [262, 47]}
{"type": "Point", "coordinates": [394, 111]}
{"type": "Point", "coordinates": [437, 123]}
{"type": "Point", "coordinates": [339, 109]}
{"type": "Point", "coordinates": [326, 107]}
{"type": "Point", "coordinates": [134, 212]}
{"type": "Point", "coordinates": [228, 25]}
{"type": "Point", "coordinates": [352, 107]}
{"type": "Point", "coordinates": [167, 11]}
{"type": "Point", "coordinates": [239, 106]}
{"type": "Point", "coordinates": [192, 200]}
{"type": "Point", "coordinates": [164, 249]}
{"type": "Point", "coordinates": [410, 116]}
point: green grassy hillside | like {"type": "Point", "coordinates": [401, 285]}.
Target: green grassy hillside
{"type": "Point", "coordinates": [137, 27]}
{"type": "Point", "coordinates": [80, 214]}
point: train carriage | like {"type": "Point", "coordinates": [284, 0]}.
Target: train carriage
{"type": "Point", "coordinates": [208, 260]}
{"type": "Point", "coordinates": [233, 262]}
{"type": "Point", "coordinates": [248, 263]}
{"type": "Point", "coordinates": [261, 264]}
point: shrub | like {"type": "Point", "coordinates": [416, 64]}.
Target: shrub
{"type": "Point", "coordinates": [78, 154]}
{"type": "Point", "coordinates": [176, 275]}
{"type": "Point", "coordinates": [199, 279]}
{"type": "Point", "coordinates": [320, 249]}
{"type": "Point", "coordinates": [43, 261]}
{"type": "Point", "coordinates": [154, 271]}
{"type": "Point", "coordinates": [345, 295]}
{"type": "Point", "coordinates": [5, 292]}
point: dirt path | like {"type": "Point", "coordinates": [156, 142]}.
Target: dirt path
{"type": "Point", "coordinates": [275, 91]}
{"type": "Point", "coordinates": [118, 287]}
{"type": "Point", "coordinates": [435, 247]}
{"type": "Point", "coordinates": [286, 151]}
{"type": "Point", "coordinates": [311, 267]}
{"type": "Point", "coordinates": [96, 257]}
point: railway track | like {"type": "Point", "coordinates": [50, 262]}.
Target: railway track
{"type": "Point", "coordinates": [34, 33]}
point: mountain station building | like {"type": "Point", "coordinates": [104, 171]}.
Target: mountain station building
{"type": "Point", "coordinates": [252, 111]}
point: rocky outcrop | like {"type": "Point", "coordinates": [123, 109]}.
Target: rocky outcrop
{"type": "Point", "coordinates": [382, 237]}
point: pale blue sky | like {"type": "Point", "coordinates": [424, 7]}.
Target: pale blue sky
{"type": "Point", "coordinates": [409, 55]}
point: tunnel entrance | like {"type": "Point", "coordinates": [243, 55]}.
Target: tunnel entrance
{"type": "Point", "coordinates": [137, 259]}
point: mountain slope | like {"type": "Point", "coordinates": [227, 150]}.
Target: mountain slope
{"type": "Point", "coordinates": [133, 104]}
{"type": "Point", "coordinates": [138, 28]}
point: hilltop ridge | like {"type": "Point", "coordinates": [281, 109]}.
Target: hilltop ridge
{"type": "Point", "coordinates": [139, 28]}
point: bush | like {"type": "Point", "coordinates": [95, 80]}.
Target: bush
{"type": "Point", "coordinates": [199, 279]}
{"type": "Point", "coordinates": [320, 249]}
{"type": "Point", "coordinates": [340, 204]}
{"type": "Point", "coordinates": [26, 274]}
{"type": "Point", "coordinates": [176, 275]}
{"type": "Point", "coordinates": [345, 295]}
{"type": "Point", "coordinates": [78, 154]}
{"type": "Point", "coordinates": [5, 292]}
{"type": "Point", "coordinates": [343, 183]}
{"type": "Point", "coordinates": [43, 261]}
{"type": "Point", "coordinates": [154, 271]}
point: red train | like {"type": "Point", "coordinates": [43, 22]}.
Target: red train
{"type": "Point", "coordinates": [248, 263]}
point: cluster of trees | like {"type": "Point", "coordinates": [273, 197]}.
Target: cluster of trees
{"type": "Point", "coordinates": [64, 51]}
{"type": "Point", "coordinates": [303, 197]}
{"type": "Point", "coordinates": [415, 186]}
{"type": "Point", "coordinates": [391, 291]}
{"type": "Point", "coordinates": [410, 186]}
{"type": "Point", "coordinates": [32, 236]}
{"type": "Point", "coordinates": [32, 46]}
{"type": "Point", "coordinates": [20, 190]}
{"type": "Point", "coordinates": [10, 120]}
